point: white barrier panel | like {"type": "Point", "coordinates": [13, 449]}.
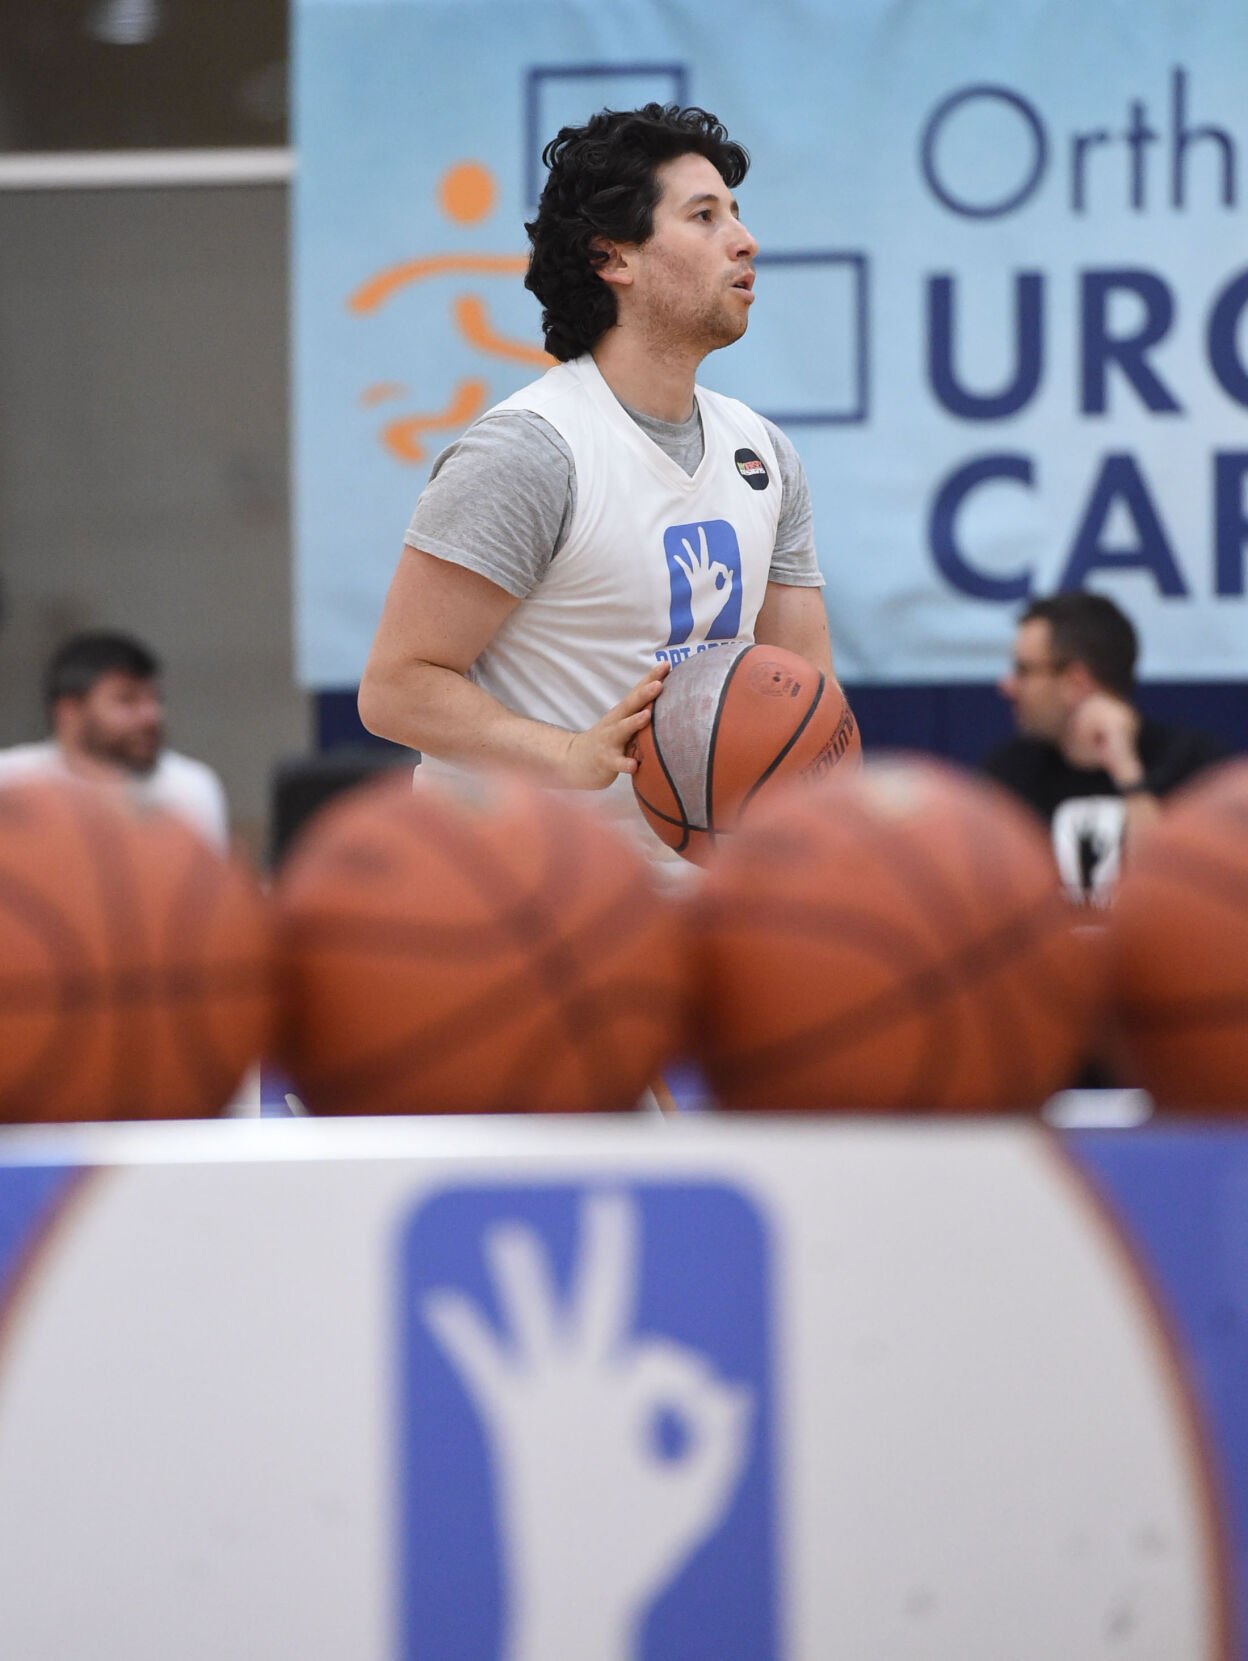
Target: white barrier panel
{"type": "Point", "coordinates": [413, 1390]}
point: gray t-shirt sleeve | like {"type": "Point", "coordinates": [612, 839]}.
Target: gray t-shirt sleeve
{"type": "Point", "coordinates": [499, 500]}
{"type": "Point", "coordinates": [794, 560]}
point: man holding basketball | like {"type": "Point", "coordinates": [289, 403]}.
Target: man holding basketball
{"type": "Point", "coordinates": [612, 517]}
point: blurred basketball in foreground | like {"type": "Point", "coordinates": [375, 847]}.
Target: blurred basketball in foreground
{"type": "Point", "coordinates": [498, 948]}
{"type": "Point", "coordinates": [135, 961]}
{"type": "Point", "coordinates": [730, 725]}
{"type": "Point", "coordinates": [894, 939]}
{"type": "Point", "coordinates": [1179, 948]}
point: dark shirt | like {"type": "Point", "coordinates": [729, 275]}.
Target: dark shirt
{"type": "Point", "coordinates": [1086, 814]}
{"type": "Point", "coordinates": [1039, 773]}
{"type": "Point", "coordinates": [1082, 805]}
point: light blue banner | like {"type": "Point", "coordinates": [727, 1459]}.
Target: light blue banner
{"type": "Point", "coordinates": [1002, 298]}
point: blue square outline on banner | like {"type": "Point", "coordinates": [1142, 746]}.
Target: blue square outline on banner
{"type": "Point", "coordinates": [859, 410]}
{"type": "Point", "coordinates": [701, 1252]}
{"type": "Point", "coordinates": [536, 137]}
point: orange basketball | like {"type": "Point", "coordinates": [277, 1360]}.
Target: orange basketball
{"type": "Point", "coordinates": [496, 948]}
{"type": "Point", "coordinates": [894, 938]}
{"type": "Point", "coordinates": [135, 961]}
{"type": "Point", "coordinates": [730, 725]}
{"type": "Point", "coordinates": [1179, 949]}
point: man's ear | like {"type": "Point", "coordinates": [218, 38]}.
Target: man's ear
{"type": "Point", "coordinates": [617, 266]}
{"type": "Point", "coordinates": [1080, 680]}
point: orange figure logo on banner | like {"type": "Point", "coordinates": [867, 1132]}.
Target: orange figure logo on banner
{"type": "Point", "coordinates": [466, 195]}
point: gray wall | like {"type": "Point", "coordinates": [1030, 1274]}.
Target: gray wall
{"type": "Point", "coordinates": [144, 457]}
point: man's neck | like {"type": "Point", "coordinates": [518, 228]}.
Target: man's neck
{"type": "Point", "coordinates": [84, 765]}
{"type": "Point", "coordinates": [651, 381]}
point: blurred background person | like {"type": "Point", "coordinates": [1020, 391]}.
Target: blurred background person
{"type": "Point", "coordinates": [1084, 757]}
{"type": "Point", "coordinates": [106, 717]}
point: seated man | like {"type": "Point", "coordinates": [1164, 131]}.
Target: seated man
{"type": "Point", "coordinates": [1084, 758]}
{"type": "Point", "coordinates": [107, 721]}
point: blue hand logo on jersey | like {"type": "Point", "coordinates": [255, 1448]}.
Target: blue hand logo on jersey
{"type": "Point", "coordinates": [704, 567]}
{"type": "Point", "coordinates": [587, 1425]}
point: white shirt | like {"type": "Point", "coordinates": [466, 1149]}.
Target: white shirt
{"type": "Point", "coordinates": [658, 564]}
{"type": "Point", "coordinates": [178, 783]}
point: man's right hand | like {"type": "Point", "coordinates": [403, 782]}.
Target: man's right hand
{"type": "Point", "coordinates": [596, 758]}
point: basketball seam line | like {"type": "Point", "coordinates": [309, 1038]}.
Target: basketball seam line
{"type": "Point", "coordinates": [683, 821]}
{"type": "Point", "coordinates": [710, 754]}
{"type": "Point", "coordinates": [942, 904]}
{"type": "Point", "coordinates": [797, 733]}
{"type": "Point", "coordinates": [366, 1073]}
{"type": "Point", "coordinates": [979, 957]}
{"type": "Point", "coordinates": [510, 927]}
{"type": "Point", "coordinates": [529, 927]}
{"type": "Point", "coordinates": [198, 895]}
{"type": "Point", "coordinates": [668, 819]}
{"type": "Point", "coordinates": [56, 1058]}
{"type": "Point", "coordinates": [113, 869]}
{"type": "Point", "coordinates": [96, 988]}
{"type": "Point", "coordinates": [1206, 1009]}
{"type": "Point", "coordinates": [1007, 1039]}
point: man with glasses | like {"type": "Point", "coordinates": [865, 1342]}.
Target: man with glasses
{"type": "Point", "coordinates": [1085, 759]}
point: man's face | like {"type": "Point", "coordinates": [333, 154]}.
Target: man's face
{"type": "Point", "coordinates": [694, 276]}
{"type": "Point", "coordinates": [120, 722]}
{"type": "Point", "coordinates": [1037, 685]}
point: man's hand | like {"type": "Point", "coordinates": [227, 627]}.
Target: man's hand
{"type": "Point", "coordinates": [595, 758]}
{"type": "Point", "coordinates": [438, 619]}
{"type": "Point", "coordinates": [1103, 732]}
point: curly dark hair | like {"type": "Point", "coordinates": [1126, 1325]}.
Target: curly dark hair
{"type": "Point", "coordinates": [602, 183]}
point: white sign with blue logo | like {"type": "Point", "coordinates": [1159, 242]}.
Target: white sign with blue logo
{"type": "Point", "coordinates": [630, 1391]}
{"type": "Point", "coordinates": [590, 1434]}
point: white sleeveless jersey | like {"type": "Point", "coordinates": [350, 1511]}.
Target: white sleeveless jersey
{"type": "Point", "coordinates": [657, 564]}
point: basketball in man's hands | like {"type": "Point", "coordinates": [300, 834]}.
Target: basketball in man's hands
{"type": "Point", "coordinates": [733, 723]}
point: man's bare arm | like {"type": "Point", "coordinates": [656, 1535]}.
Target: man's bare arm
{"type": "Point", "coordinates": [796, 619]}
{"type": "Point", "coordinates": [437, 620]}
